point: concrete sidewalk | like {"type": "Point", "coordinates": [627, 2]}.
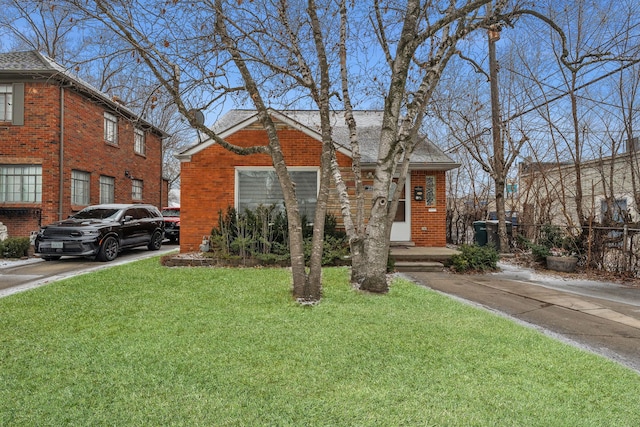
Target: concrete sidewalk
{"type": "Point", "coordinates": [608, 325]}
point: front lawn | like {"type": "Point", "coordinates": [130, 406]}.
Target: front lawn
{"type": "Point", "coordinates": [145, 345]}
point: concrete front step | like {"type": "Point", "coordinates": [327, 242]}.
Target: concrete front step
{"type": "Point", "coordinates": [424, 266]}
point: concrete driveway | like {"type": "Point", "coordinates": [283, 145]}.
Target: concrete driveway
{"type": "Point", "coordinates": [597, 316]}
{"type": "Point", "coordinates": [21, 275]}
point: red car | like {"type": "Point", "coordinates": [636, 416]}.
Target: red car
{"type": "Point", "coordinates": [172, 223]}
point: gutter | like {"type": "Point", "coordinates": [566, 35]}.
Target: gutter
{"type": "Point", "coordinates": [420, 166]}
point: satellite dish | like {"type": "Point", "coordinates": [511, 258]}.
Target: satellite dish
{"type": "Point", "coordinates": [197, 115]}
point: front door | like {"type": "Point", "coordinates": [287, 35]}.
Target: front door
{"type": "Point", "coordinates": [401, 229]}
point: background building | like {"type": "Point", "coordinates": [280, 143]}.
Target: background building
{"type": "Point", "coordinates": [65, 145]}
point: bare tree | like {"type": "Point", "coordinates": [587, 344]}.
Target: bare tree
{"type": "Point", "coordinates": [41, 25]}
{"type": "Point", "coordinates": [591, 45]}
{"type": "Point", "coordinates": [97, 56]}
{"type": "Point", "coordinates": [203, 53]}
{"type": "Point", "coordinates": [418, 40]}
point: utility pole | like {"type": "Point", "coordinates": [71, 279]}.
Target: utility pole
{"type": "Point", "coordinates": [498, 165]}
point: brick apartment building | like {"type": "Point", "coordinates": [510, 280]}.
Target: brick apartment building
{"type": "Point", "coordinates": [65, 145]}
{"type": "Point", "coordinates": [213, 179]}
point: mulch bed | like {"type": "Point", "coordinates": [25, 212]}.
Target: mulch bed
{"type": "Point", "coordinates": [198, 259]}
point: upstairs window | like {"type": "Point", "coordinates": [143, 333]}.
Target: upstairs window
{"type": "Point", "coordinates": [80, 188]}
{"type": "Point", "coordinates": [139, 142]}
{"type": "Point", "coordinates": [21, 183]}
{"type": "Point", "coordinates": [136, 189]}
{"type": "Point", "coordinates": [110, 128]}
{"type": "Point", "coordinates": [107, 189]}
{"type": "Point", "coordinates": [6, 102]}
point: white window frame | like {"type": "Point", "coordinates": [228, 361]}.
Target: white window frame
{"type": "Point", "coordinates": [20, 183]}
{"type": "Point", "coordinates": [137, 186]}
{"type": "Point", "coordinates": [107, 189]}
{"type": "Point", "coordinates": [80, 188]}
{"type": "Point", "coordinates": [110, 128]}
{"type": "Point", "coordinates": [6, 102]}
{"type": "Point", "coordinates": [139, 142]}
{"type": "Point", "coordinates": [240, 169]}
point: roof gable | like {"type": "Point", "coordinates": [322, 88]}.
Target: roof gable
{"type": "Point", "coordinates": [237, 120]}
{"type": "Point", "coordinates": [426, 155]}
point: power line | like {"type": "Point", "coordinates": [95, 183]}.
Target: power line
{"type": "Point", "coordinates": [562, 95]}
{"type": "Point", "coordinates": [486, 131]}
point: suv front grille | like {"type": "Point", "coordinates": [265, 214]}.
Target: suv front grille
{"type": "Point", "coordinates": [57, 232]}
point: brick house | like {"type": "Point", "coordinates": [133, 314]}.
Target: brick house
{"type": "Point", "coordinates": [65, 145]}
{"type": "Point", "coordinates": [212, 178]}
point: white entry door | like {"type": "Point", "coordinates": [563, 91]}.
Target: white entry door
{"type": "Point", "coordinates": [401, 229]}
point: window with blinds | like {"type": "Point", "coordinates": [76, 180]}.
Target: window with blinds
{"type": "Point", "coordinates": [6, 102]}
{"type": "Point", "coordinates": [139, 145]}
{"type": "Point", "coordinates": [136, 189]}
{"type": "Point", "coordinates": [21, 183]}
{"type": "Point", "coordinates": [80, 187]}
{"type": "Point", "coordinates": [107, 189]}
{"type": "Point", "coordinates": [261, 187]}
{"type": "Point", "coordinates": [110, 128]}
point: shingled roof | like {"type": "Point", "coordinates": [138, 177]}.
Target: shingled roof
{"type": "Point", "coordinates": [425, 156]}
{"type": "Point", "coordinates": [28, 62]}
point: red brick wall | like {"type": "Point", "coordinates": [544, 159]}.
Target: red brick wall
{"type": "Point", "coordinates": [207, 186]}
{"type": "Point", "coordinates": [207, 181]}
{"type": "Point", "coordinates": [432, 218]}
{"type": "Point", "coordinates": [38, 142]}
{"type": "Point", "coordinates": [21, 223]}
{"type": "Point", "coordinates": [86, 150]}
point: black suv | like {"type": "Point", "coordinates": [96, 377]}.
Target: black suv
{"type": "Point", "coordinates": [102, 231]}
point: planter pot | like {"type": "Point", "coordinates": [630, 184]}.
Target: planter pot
{"type": "Point", "coordinates": [565, 264]}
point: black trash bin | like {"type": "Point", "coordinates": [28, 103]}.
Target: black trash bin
{"type": "Point", "coordinates": [480, 232]}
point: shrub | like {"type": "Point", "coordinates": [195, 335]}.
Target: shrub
{"type": "Point", "coordinates": [551, 236]}
{"type": "Point", "coordinates": [262, 234]}
{"type": "Point", "coordinates": [539, 252]}
{"type": "Point", "coordinates": [335, 251]}
{"type": "Point", "coordinates": [522, 242]}
{"type": "Point", "coordinates": [14, 247]}
{"type": "Point", "coordinates": [391, 264]}
{"type": "Point", "coordinates": [551, 240]}
{"type": "Point", "coordinates": [475, 258]}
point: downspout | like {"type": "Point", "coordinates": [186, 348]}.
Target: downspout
{"type": "Point", "coordinates": [162, 174]}
{"type": "Point", "coordinates": [61, 157]}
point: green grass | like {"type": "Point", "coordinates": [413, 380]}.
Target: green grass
{"type": "Point", "coordinates": [141, 344]}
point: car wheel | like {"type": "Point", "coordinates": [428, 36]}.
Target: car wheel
{"type": "Point", "coordinates": [50, 258]}
{"type": "Point", "coordinates": [108, 250]}
{"type": "Point", "coordinates": [156, 241]}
